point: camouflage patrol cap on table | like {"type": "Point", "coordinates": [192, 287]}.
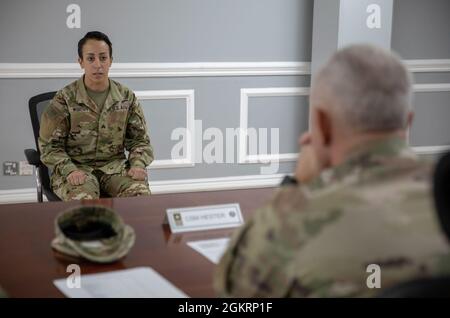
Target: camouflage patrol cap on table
{"type": "Point", "coordinates": [95, 233]}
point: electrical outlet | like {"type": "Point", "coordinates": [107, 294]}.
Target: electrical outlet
{"type": "Point", "coordinates": [25, 169]}
{"type": "Point", "coordinates": [10, 168]}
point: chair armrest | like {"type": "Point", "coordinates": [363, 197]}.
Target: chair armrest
{"type": "Point", "coordinates": [33, 157]}
{"type": "Point", "coordinates": [288, 180]}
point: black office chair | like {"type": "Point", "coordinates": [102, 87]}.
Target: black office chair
{"type": "Point", "coordinates": [441, 186]}
{"type": "Point", "coordinates": [434, 286]}
{"type": "Point", "coordinates": [289, 181]}
{"type": "Point", "coordinates": [36, 106]}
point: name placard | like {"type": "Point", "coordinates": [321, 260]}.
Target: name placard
{"type": "Point", "coordinates": [201, 218]}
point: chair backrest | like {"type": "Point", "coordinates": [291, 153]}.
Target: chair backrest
{"type": "Point", "coordinates": [37, 105]}
{"type": "Point", "coordinates": [441, 186]}
{"type": "Point", "coordinates": [435, 286]}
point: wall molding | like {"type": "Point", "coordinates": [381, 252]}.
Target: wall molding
{"type": "Point", "coordinates": [170, 186]}
{"type": "Point", "coordinates": [428, 65]}
{"type": "Point", "coordinates": [136, 70]}
{"type": "Point", "coordinates": [431, 150]}
{"type": "Point", "coordinates": [247, 93]}
{"type": "Point", "coordinates": [188, 96]}
{"type": "Point", "coordinates": [431, 88]}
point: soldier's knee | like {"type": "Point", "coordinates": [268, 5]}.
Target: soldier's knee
{"type": "Point", "coordinates": [134, 189]}
{"type": "Point", "coordinates": [82, 196]}
{"type": "Point", "coordinates": [87, 191]}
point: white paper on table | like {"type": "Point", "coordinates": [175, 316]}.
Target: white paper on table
{"type": "Point", "coordinates": [211, 249]}
{"type": "Point", "coordinates": [138, 282]}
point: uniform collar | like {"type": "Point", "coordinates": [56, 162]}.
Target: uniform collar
{"type": "Point", "coordinates": [394, 150]}
{"type": "Point", "coordinates": [82, 96]}
{"type": "Point", "coordinates": [382, 148]}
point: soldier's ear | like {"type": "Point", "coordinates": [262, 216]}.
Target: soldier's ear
{"type": "Point", "coordinates": [324, 125]}
{"type": "Point", "coordinates": [80, 61]}
{"type": "Point", "coordinates": [409, 119]}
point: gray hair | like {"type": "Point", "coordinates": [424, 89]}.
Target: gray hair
{"type": "Point", "coordinates": [367, 87]}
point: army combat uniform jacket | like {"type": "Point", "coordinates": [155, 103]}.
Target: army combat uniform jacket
{"type": "Point", "coordinates": [76, 134]}
{"type": "Point", "coordinates": [358, 228]}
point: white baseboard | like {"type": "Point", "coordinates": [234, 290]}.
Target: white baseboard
{"type": "Point", "coordinates": [18, 196]}
{"type": "Point", "coordinates": [170, 186]}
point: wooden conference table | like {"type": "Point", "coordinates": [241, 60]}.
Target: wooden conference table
{"type": "Point", "coordinates": [28, 265]}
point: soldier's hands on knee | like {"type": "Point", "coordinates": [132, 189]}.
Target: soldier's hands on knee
{"type": "Point", "coordinates": [76, 177]}
{"type": "Point", "coordinates": [139, 174]}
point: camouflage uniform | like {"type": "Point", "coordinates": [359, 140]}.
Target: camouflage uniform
{"type": "Point", "coordinates": [317, 239]}
{"type": "Point", "coordinates": [76, 135]}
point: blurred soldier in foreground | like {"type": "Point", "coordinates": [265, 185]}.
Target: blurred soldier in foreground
{"type": "Point", "coordinates": [361, 218]}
